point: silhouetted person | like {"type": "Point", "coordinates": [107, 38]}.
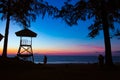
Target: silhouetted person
{"type": "Point", "coordinates": [101, 60]}
{"type": "Point", "coordinates": [45, 59]}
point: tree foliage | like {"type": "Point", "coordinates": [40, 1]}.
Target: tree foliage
{"type": "Point", "coordinates": [103, 12]}
{"type": "Point", "coordinates": [25, 11]}
{"type": "Point", "coordinates": [96, 9]}
{"type": "Point", "coordinates": [72, 13]}
{"type": "Point", "coordinates": [91, 9]}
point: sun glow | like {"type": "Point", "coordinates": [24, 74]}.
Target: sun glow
{"type": "Point", "coordinates": [52, 52]}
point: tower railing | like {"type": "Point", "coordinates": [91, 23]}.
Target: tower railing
{"type": "Point", "coordinates": [26, 42]}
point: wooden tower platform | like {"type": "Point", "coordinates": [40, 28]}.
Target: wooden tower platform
{"type": "Point", "coordinates": [25, 51]}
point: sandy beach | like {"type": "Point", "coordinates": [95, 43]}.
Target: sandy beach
{"type": "Point", "coordinates": [59, 72]}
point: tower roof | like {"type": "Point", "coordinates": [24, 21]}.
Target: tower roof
{"type": "Point", "coordinates": [26, 33]}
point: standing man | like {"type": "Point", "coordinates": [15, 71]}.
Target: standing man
{"type": "Point", "coordinates": [45, 59]}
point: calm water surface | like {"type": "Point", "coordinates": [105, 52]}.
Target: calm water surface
{"type": "Point", "coordinates": [71, 59]}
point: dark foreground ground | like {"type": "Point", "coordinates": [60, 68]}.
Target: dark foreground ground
{"type": "Point", "coordinates": [58, 72]}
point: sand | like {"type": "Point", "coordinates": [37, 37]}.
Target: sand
{"type": "Point", "coordinates": [59, 72]}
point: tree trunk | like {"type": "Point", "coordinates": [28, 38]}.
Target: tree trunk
{"type": "Point", "coordinates": [108, 53]}
{"type": "Point", "coordinates": [4, 54]}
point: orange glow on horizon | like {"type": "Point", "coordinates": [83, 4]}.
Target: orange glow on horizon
{"type": "Point", "coordinates": [54, 51]}
{"type": "Point", "coordinates": [48, 52]}
{"type": "Point", "coordinates": [62, 52]}
{"type": "Point", "coordinates": [10, 51]}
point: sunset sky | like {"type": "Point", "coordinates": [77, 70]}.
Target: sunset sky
{"type": "Point", "coordinates": [54, 36]}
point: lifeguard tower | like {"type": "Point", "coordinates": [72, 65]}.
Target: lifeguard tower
{"type": "Point", "coordinates": [25, 51]}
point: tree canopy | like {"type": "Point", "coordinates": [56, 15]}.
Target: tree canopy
{"type": "Point", "coordinates": [103, 12]}
{"type": "Point", "coordinates": [23, 14]}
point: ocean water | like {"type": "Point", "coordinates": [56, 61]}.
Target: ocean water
{"type": "Point", "coordinates": [54, 59]}
{"type": "Point", "coordinates": [71, 59]}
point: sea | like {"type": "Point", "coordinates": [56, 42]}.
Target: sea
{"type": "Point", "coordinates": [69, 59]}
{"type": "Point", "coordinates": [55, 59]}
